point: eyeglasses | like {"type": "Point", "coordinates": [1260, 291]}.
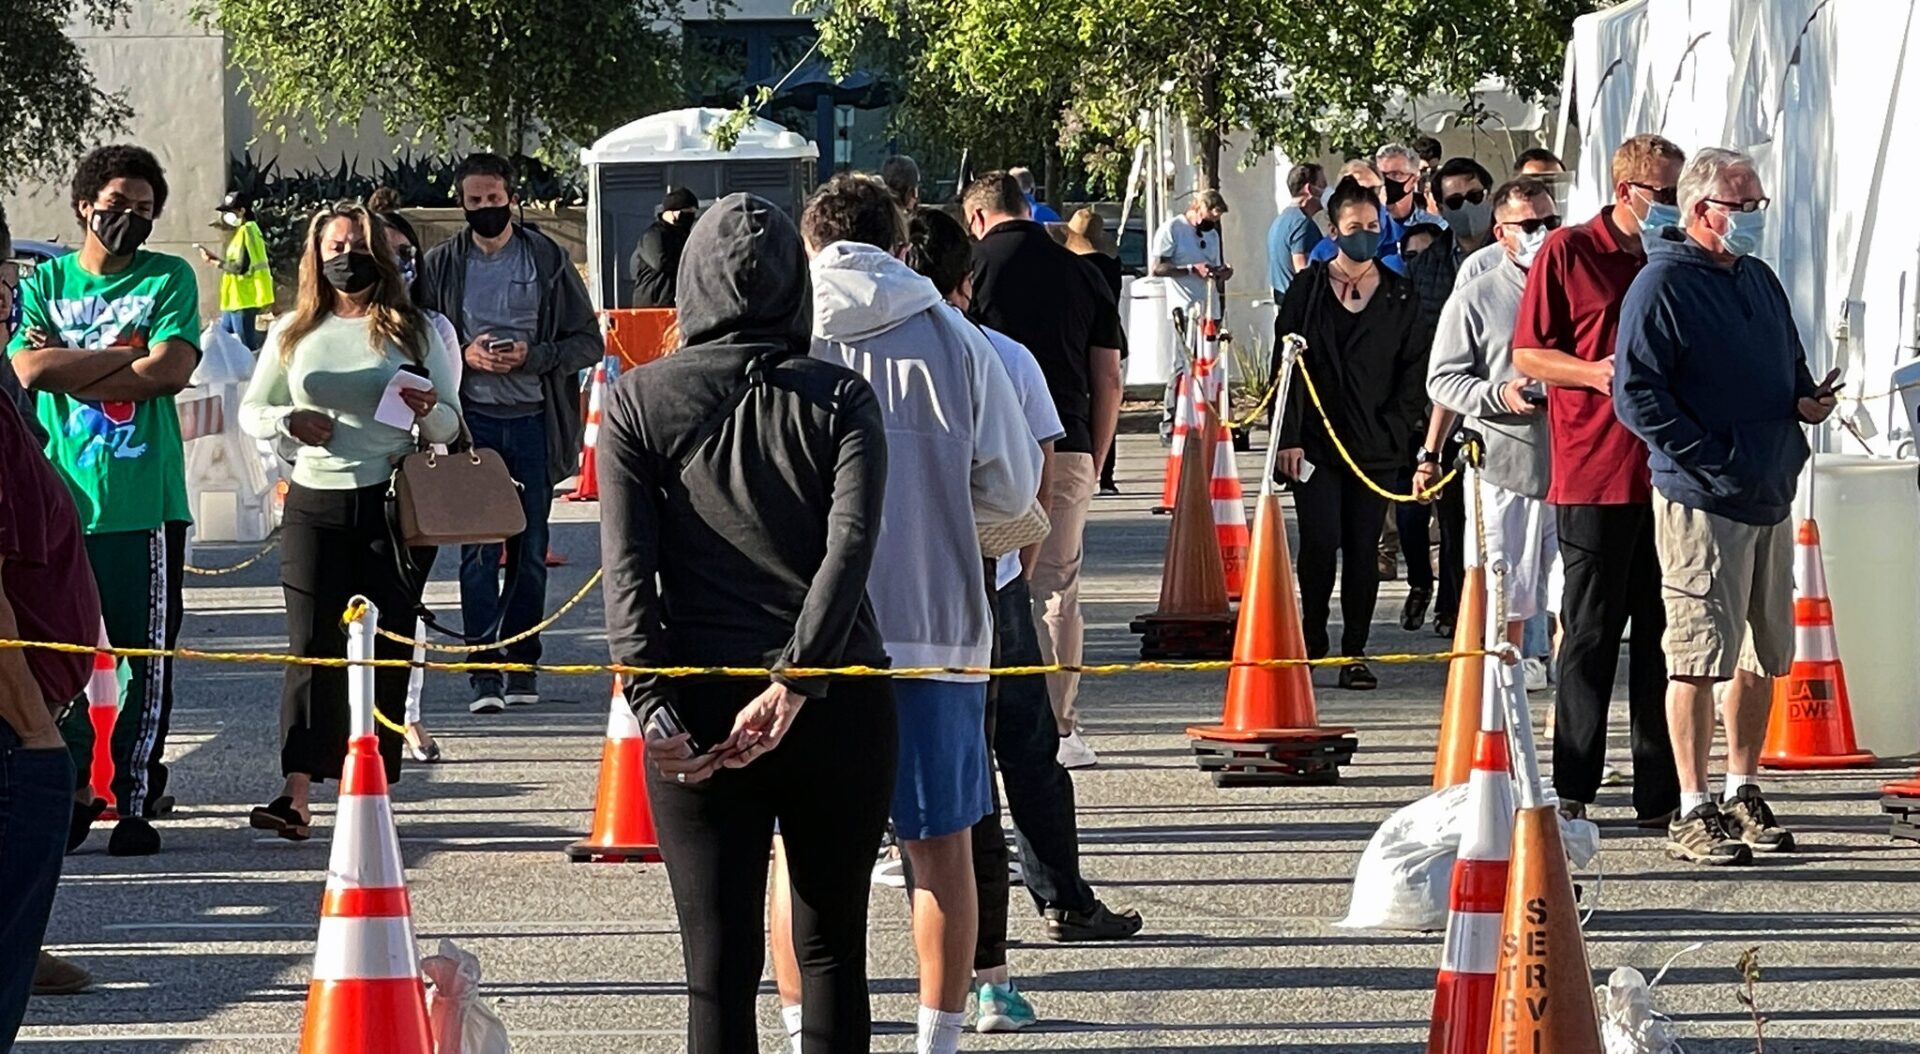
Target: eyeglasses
{"type": "Point", "coordinates": [1749, 205]}
{"type": "Point", "coordinates": [1544, 223]}
{"type": "Point", "coordinates": [1663, 195]}
{"type": "Point", "coordinates": [1475, 196]}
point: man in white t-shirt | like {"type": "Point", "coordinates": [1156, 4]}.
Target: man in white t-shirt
{"type": "Point", "coordinates": [1187, 249]}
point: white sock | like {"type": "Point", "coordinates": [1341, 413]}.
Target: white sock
{"type": "Point", "coordinates": [1691, 800]}
{"type": "Point", "coordinates": [1735, 781]}
{"type": "Point", "coordinates": [791, 1016]}
{"type": "Point", "coordinates": [940, 1031]}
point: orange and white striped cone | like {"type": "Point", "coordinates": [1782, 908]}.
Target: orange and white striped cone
{"type": "Point", "coordinates": [588, 487]}
{"type": "Point", "coordinates": [1463, 993]}
{"type": "Point", "coordinates": [103, 711]}
{"type": "Point", "coordinates": [1812, 722]}
{"type": "Point", "coordinates": [366, 993]}
{"type": "Point", "coordinates": [622, 811]}
{"type": "Point", "coordinates": [1230, 513]}
{"type": "Point", "coordinates": [1183, 420]}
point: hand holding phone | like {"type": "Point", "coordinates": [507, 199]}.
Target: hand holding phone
{"type": "Point", "coordinates": [673, 751]}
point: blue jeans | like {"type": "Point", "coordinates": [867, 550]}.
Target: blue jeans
{"type": "Point", "coordinates": [522, 443]}
{"type": "Point", "coordinates": [242, 324]}
{"type": "Point", "coordinates": [36, 804]}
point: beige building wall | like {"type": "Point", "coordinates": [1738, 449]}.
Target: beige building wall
{"type": "Point", "coordinates": [174, 73]}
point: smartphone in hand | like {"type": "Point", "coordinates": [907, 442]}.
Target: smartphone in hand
{"type": "Point", "coordinates": [663, 722]}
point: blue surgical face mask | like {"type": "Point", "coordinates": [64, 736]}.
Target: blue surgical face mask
{"type": "Point", "coordinates": [1360, 246]}
{"type": "Point", "coordinates": [1659, 216]}
{"type": "Point", "coordinates": [1744, 230]}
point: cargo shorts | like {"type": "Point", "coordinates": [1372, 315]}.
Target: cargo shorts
{"type": "Point", "coordinates": [1728, 590]}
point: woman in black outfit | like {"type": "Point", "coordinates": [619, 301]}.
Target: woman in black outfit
{"type": "Point", "coordinates": [1358, 319]}
{"type": "Point", "coordinates": [741, 486]}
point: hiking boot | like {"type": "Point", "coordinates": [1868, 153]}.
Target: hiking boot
{"type": "Point", "coordinates": [53, 975]}
{"type": "Point", "coordinates": [1749, 818]}
{"type": "Point", "coordinates": [1701, 837]}
{"type": "Point", "coordinates": [1100, 924]}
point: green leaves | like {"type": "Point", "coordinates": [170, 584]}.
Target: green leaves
{"type": "Point", "coordinates": [505, 75]}
{"type": "Point", "coordinates": [50, 108]}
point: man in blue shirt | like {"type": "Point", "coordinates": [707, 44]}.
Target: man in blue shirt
{"type": "Point", "coordinates": [1293, 233]}
{"type": "Point", "coordinates": [1042, 212]}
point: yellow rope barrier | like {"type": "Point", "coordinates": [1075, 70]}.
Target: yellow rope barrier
{"type": "Point", "coordinates": [353, 612]}
{"type": "Point", "coordinates": [753, 672]}
{"type": "Point", "coordinates": [272, 541]}
{"type": "Point", "coordinates": [1429, 494]}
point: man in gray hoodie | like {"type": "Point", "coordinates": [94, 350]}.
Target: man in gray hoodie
{"type": "Point", "coordinates": [959, 454]}
{"type": "Point", "coordinates": [1471, 373]}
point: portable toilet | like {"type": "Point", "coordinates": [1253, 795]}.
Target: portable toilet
{"type": "Point", "coordinates": [630, 169]}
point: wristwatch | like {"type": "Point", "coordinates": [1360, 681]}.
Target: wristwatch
{"type": "Point", "coordinates": [1423, 456]}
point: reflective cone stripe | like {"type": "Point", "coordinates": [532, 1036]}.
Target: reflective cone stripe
{"type": "Point", "coordinates": [588, 489]}
{"type": "Point", "coordinates": [1463, 992]}
{"type": "Point", "coordinates": [622, 814]}
{"type": "Point", "coordinates": [103, 710]}
{"type": "Point", "coordinates": [1182, 424]}
{"type": "Point", "coordinates": [366, 993]}
{"type": "Point", "coordinates": [1230, 514]}
{"type": "Point", "coordinates": [1811, 726]}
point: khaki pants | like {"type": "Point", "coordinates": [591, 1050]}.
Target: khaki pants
{"type": "Point", "coordinates": [1728, 591]}
{"type": "Point", "coordinates": [1056, 581]}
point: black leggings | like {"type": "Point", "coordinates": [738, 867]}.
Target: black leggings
{"type": "Point", "coordinates": [829, 784]}
{"type": "Point", "coordinates": [1338, 514]}
{"type": "Point", "coordinates": [335, 544]}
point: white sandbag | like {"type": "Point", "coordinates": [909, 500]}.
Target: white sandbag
{"type": "Point", "coordinates": [1629, 1021]}
{"type": "Point", "coordinates": [462, 1022]}
{"type": "Point", "coordinates": [1407, 870]}
{"type": "Point", "coordinates": [223, 359]}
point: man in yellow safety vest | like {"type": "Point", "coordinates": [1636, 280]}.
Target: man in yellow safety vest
{"type": "Point", "coordinates": [246, 282]}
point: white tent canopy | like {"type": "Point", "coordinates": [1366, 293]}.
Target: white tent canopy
{"type": "Point", "coordinates": [687, 135]}
{"type": "Point", "coordinates": [1814, 90]}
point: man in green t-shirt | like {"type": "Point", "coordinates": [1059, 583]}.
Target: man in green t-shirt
{"type": "Point", "coordinates": [107, 335]}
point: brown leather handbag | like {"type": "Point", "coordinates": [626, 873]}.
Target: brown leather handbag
{"type": "Point", "coordinates": [464, 497]}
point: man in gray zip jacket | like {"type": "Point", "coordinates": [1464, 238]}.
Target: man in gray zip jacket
{"type": "Point", "coordinates": [527, 329]}
{"type": "Point", "coordinates": [1471, 374]}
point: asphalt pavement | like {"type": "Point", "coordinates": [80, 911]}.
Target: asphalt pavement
{"type": "Point", "coordinates": [206, 946]}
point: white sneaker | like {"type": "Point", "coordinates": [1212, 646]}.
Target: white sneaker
{"type": "Point", "coordinates": [1075, 753]}
{"type": "Point", "coordinates": [1536, 670]}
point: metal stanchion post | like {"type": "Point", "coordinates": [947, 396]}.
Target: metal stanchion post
{"type": "Point", "coordinates": [360, 637]}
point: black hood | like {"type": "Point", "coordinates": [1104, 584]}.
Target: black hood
{"type": "Point", "coordinates": [743, 277]}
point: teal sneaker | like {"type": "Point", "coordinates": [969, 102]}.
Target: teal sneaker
{"type": "Point", "coordinates": [1003, 1009]}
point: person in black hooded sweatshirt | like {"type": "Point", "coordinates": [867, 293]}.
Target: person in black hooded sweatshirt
{"type": "Point", "coordinates": [740, 496]}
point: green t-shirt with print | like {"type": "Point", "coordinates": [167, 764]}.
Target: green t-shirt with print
{"type": "Point", "coordinates": [122, 460]}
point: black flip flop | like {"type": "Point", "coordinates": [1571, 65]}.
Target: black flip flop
{"type": "Point", "coordinates": [280, 818]}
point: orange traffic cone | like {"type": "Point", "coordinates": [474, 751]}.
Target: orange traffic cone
{"type": "Point", "coordinates": [103, 710]}
{"type": "Point", "coordinates": [1269, 730]}
{"type": "Point", "coordinates": [1194, 619]}
{"type": "Point", "coordinates": [1812, 724]}
{"type": "Point", "coordinates": [366, 993]}
{"type": "Point", "coordinates": [1902, 802]}
{"type": "Point", "coordinates": [588, 488]}
{"type": "Point", "coordinates": [1182, 424]}
{"type": "Point", "coordinates": [1230, 514]}
{"type": "Point", "coordinates": [1543, 988]}
{"type": "Point", "coordinates": [1453, 758]}
{"type": "Point", "coordinates": [622, 817]}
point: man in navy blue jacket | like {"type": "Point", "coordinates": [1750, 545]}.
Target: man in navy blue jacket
{"type": "Point", "coordinates": [1710, 372]}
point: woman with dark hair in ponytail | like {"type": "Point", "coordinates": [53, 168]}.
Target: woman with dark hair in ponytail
{"type": "Point", "coordinates": [318, 384]}
{"type": "Point", "coordinates": [1359, 321]}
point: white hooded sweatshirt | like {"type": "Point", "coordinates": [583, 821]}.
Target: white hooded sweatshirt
{"type": "Point", "coordinates": [958, 449]}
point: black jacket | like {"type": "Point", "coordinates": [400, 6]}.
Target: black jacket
{"type": "Point", "coordinates": [656, 260]}
{"type": "Point", "coordinates": [567, 328]}
{"type": "Point", "coordinates": [740, 480]}
{"type": "Point", "coordinates": [1370, 371]}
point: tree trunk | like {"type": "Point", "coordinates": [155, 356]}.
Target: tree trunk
{"type": "Point", "coordinates": [1207, 129]}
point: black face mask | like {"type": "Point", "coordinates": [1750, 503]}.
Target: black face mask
{"type": "Point", "coordinates": [490, 221]}
{"type": "Point", "coordinates": [351, 272]}
{"type": "Point", "coordinates": [120, 232]}
{"type": "Point", "coordinates": [1397, 190]}
{"type": "Point", "coordinates": [1207, 226]}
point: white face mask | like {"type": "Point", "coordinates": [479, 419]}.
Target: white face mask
{"type": "Point", "coordinates": [1523, 247]}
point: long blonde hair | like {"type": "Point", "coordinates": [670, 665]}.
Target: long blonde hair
{"type": "Point", "coordinates": [391, 315]}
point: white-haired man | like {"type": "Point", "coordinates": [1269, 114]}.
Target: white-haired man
{"type": "Point", "coordinates": [1712, 375]}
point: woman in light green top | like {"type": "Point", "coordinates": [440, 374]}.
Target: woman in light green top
{"type": "Point", "coordinates": [319, 384]}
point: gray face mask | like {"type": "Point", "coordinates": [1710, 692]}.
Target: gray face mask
{"type": "Point", "coordinates": [1471, 221]}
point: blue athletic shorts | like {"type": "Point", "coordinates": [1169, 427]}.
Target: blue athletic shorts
{"type": "Point", "coordinates": [944, 783]}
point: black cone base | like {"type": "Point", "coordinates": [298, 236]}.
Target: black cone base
{"type": "Point", "coordinates": [1312, 760]}
{"type": "Point", "coordinates": [1185, 637]}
